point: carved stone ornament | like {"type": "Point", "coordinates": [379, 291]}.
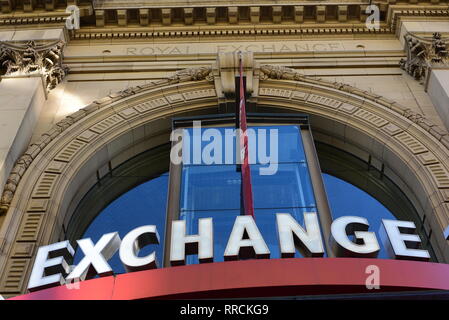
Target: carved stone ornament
{"type": "Point", "coordinates": [423, 54]}
{"type": "Point", "coordinates": [193, 74]}
{"type": "Point", "coordinates": [30, 58]}
{"type": "Point", "coordinates": [279, 72]}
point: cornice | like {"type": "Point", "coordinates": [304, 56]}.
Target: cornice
{"type": "Point", "coordinates": [216, 33]}
{"type": "Point", "coordinates": [25, 6]}
{"type": "Point", "coordinates": [182, 19]}
{"type": "Point", "coordinates": [32, 20]}
{"type": "Point", "coordinates": [398, 12]}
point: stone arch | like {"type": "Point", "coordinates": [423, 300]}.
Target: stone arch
{"type": "Point", "coordinates": [47, 180]}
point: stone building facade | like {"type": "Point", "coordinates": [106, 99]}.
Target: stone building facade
{"type": "Point", "coordinates": [76, 101]}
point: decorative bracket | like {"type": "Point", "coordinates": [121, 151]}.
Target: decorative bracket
{"type": "Point", "coordinates": [228, 67]}
{"type": "Point", "coordinates": [30, 58]}
{"type": "Point", "coordinates": [425, 54]}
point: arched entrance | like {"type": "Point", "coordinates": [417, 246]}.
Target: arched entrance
{"type": "Point", "coordinates": [55, 173]}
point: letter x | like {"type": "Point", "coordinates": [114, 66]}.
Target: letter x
{"type": "Point", "coordinates": [96, 257]}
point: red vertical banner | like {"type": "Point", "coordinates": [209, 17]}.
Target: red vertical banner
{"type": "Point", "coordinates": [247, 189]}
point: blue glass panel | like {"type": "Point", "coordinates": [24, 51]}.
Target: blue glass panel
{"type": "Point", "coordinates": [143, 205]}
{"type": "Point", "coordinates": [224, 222]}
{"type": "Point", "coordinates": [210, 188]}
{"type": "Point", "coordinates": [214, 190]}
{"type": "Point", "coordinates": [278, 144]}
{"type": "Point", "coordinates": [346, 199]}
{"type": "Point", "coordinates": [218, 187]}
{"type": "Point", "coordinates": [289, 187]}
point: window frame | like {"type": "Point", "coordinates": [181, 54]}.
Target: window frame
{"type": "Point", "coordinates": [264, 119]}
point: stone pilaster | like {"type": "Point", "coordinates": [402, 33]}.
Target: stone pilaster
{"type": "Point", "coordinates": [428, 62]}
{"type": "Point", "coordinates": [28, 72]}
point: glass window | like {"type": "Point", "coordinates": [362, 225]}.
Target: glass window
{"type": "Point", "coordinates": [215, 190]}
{"type": "Point", "coordinates": [218, 187]}
{"type": "Point", "coordinates": [355, 188]}
{"type": "Point", "coordinates": [142, 205]}
{"type": "Point", "coordinates": [361, 204]}
{"type": "Point", "coordinates": [261, 144]}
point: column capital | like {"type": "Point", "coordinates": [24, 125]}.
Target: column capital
{"type": "Point", "coordinates": [29, 58]}
{"type": "Point", "coordinates": [425, 54]}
